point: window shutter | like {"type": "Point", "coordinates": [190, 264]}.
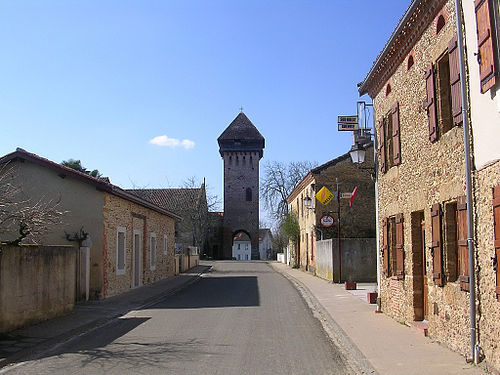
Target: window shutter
{"type": "Point", "coordinates": [396, 141]}
{"type": "Point", "coordinates": [496, 224]}
{"type": "Point", "coordinates": [485, 57]}
{"type": "Point", "coordinates": [431, 103]}
{"type": "Point", "coordinates": [436, 248]}
{"type": "Point", "coordinates": [456, 95]}
{"type": "Point", "coordinates": [381, 153]}
{"type": "Point", "coordinates": [463, 248]}
{"type": "Point", "coordinates": [385, 247]}
{"type": "Point", "coordinates": [399, 247]}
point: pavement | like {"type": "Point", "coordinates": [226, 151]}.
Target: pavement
{"type": "Point", "coordinates": [29, 341]}
{"type": "Point", "coordinates": [383, 345]}
{"type": "Point", "coordinates": [389, 347]}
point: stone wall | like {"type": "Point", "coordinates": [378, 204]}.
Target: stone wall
{"type": "Point", "coordinates": [36, 283]}
{"type": "Point", "coordinates": [119, 212]}
{"type": "Point", "coordinates": [429, 173]}
{"type": "Point", "coordinates": [241, 172]}
{"type": "Point", "coordinates": [488, 305]}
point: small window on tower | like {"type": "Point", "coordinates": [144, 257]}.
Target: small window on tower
{"type": "Point", "coordinates": [249, 195]}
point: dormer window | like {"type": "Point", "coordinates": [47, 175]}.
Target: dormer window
{"type": "Point", "coordinates": [440, 24]}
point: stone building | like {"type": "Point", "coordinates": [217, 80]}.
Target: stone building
{"type": "Point", "coordinates": [188, 203]}
{"type": "Point", "coordinates": [415, 84]}
{"type": "Point", "coordinates": [130, 240]}
{"type": "Point", "coordinates": [241, 147]}
{"type": "Point", "coordinates": [357, 230]}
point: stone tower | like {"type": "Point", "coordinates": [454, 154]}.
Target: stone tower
{"type": "Point", "coordinates": [241, 147]}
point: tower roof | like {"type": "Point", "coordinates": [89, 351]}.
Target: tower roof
{"type": "Point", "coordinates": [241, 135]}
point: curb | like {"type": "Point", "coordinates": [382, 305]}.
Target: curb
{"type": "Point", "coordinates": [37, 350]}
{"type": "Point", "coordinates": [351, 353]}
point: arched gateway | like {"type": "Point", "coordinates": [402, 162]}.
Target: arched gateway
{"type": "Point", "coordinates": [241, 147]}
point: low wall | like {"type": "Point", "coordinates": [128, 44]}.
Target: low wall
{"type": "Point", "coordinates": [36, 283]}
{"type": "Point", "coordinates": [359, 259]}
{"type": "Point", "coordinates": [280, 257]}
{"type": "Point", "coordinates": [184, 262]}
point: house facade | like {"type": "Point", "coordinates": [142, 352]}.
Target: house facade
{"type": "Point", "coordinates": [242, 247]}
{"type": "Point", "coordinates": [357, 220]}
{"type": "Point", "coordinates": [415, 84]}
{"type": "Point", "coordinates": [130, 240]}
{"type": "Point", "coordinates": [265, 243]}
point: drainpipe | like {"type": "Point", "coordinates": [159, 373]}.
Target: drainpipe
{"type": "Point", "coordinates": [474, 349]}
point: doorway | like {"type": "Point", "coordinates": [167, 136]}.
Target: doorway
{"type": "Point", "coordinates": [420, 287]}
{"type": "Point", "coordinates": [136, 259]}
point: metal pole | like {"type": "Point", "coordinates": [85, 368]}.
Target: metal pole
{"type": "Point", "coordinates": [468, 184]}
{"type": "Point", "coordinates": [338, 231]}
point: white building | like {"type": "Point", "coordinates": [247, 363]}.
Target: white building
{"type": "Point", "coordinates": [265, 243]}
{"type": "Point", "coordinates": [242, 248]}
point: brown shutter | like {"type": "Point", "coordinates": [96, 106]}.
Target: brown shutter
{"type": "Point", "coordinates": [436, 247]}
{"type": "Point", "coordinates": [456, 94]}
{"type": "Point", "coordinates": [382, 156]}
{"type": "Point", "coordinates": [496, 224]}
{"type": "Point", "coordinates": [396, 142]}
{"type": "Point", "coordinates": [399, 247]}
{"type": "Point", "coordinates": [463, 248]}
{"type": "Point", "coordinates": [385, 247]}
{"type": "Point", "coordinates": [431, 103]}
{"type": "Point", "coordinates": [486, 55]}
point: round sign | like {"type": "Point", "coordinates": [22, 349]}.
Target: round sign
{"type": "Point", "coordinates": [327, 221]}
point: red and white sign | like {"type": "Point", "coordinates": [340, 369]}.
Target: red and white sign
{"type": "Point", "coordinates": [327, 221]}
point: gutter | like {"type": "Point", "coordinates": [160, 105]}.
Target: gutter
{"type": "Point", "coordinates": [474, 349]}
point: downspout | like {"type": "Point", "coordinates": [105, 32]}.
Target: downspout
{"type": "Point", "coordinates": [377, 237]}
{"type": "Point", "coordinates": [468, 182]}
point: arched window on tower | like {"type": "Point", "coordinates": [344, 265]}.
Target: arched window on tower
{"type": "Point", "coordinates": [249, 195]}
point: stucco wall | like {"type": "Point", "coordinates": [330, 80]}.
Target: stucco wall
{"type": "Point", "coordinates": [119, 212]}
{"type": "Point", "coordinates": [82, 202]}
{"type": "Point", "coordinates": [36, 283]}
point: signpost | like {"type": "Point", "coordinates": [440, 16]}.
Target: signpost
{"type": "Point", "coordinates": [325, 196]}
{"type": "Point", "coordinates": [348, 123]}
{"type": "Point", "coordinates": [327, 221]}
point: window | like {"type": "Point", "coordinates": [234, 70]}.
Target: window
{"type": "Point", "coordinates": [488, 63]}
{"type": "Point", "coordinates": [410, 62]}
{"type": "Point", "coordinates": [388, 89]}
{"type": "Point", "coordinates": [390, 141]}
{"type": "Point", "coordinates": [392, 246]}
{"type": "Point", "coordinates": [152, 251]}
{"type": "Point", "coordinates": [120, 250]}
{"type": "Point", "coordinates": [248, 195]}
{"type": "Point", "coordinates": [443, 90]}
{"type": "Point", "coordinates": [436, 246]}
{"type": "Point", "coordinates": [165, 244]}
{"type": "Point", "coordinates": [440, 24]}
{"type": "Point", "coordinates": [444, 99]}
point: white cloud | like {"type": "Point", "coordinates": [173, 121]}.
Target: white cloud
{"type": "Point", "coordinates": [187, 144]}
{"type": "Point", "coordinates": [163, 140]}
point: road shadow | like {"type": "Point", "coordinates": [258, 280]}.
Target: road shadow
{"type": "Point", "coordinates": [216, 292]}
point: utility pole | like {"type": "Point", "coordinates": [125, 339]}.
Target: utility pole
{"type": "Point", "coordinates": [339, 256]}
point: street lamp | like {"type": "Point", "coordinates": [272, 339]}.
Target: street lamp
{"type": "Point", "coordinates": [357, 153]}
{"type": "Point", "coordinates": [308, 202]}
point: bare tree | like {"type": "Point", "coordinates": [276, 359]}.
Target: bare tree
{"type": "Point", "coordinates": [22, 218]}
{"type": "Point", "coordinates": [278, 182]}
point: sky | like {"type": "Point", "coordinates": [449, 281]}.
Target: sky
{"type": "Point", "coordinates": [140, 90]}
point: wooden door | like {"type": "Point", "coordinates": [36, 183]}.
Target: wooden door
{"type": "Point", "coordinates": [137, 260]}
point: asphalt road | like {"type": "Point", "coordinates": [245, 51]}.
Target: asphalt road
{"type": "Point", "coordinates": [241, 318]}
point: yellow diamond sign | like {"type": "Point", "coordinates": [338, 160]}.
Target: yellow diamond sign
{"type": "Point", "coordinates": [324, 195]}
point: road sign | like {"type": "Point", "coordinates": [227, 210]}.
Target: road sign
{"type": "Point", "coordinates": [327, 221]}
{"type": "Point", "coordinates": [325, 196]}
{"type": "Point", "coordinates": [348, 123]}
{"type": "Point", "coordinates": [346, 195]}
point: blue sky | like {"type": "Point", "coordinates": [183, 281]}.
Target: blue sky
{"type": "Point", "coordinates": [98, 80]}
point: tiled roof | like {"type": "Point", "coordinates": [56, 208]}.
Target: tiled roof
{"type": "Point", "coordinates": [174, 200]}
{"type": "Point", "coordinates": [99, 182]}
{"type": "Point", "coordinates": [241, 128]}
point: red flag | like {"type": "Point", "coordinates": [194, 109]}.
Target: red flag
{"type": "Point", "coordinates": [353, 195]}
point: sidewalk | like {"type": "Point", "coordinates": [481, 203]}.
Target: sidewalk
{"type": "Point", "coordinates": [25, 342]}
{"type": "Point", "coordinates": [390, 347]}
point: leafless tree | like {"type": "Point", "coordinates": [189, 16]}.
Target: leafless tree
{"type": "Point", "coordinates": [22, 218]}
{"type": "Point", "coordinates": [278, 182]}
